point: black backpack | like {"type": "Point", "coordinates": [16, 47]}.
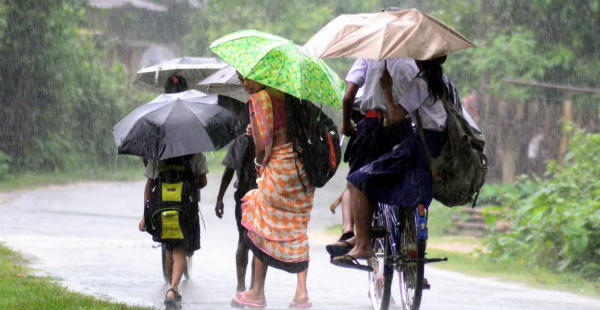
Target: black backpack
{"type": "Point", "coordinates": [315, 138]}
{"type": "Point", "coordinates": [459, 172]}
{"type": "Point", "coordinates": [172, 214]}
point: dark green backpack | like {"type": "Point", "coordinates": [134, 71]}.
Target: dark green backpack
{"type": "Point", "coordinates": [459, 172]}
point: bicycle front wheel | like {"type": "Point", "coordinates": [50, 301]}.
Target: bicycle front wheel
{"type": "Point", "coordinates": [380, 279]}
{"type": "Point", "coordinates": [411, 268]}
{"type": "Point", "coordinates": [163, 256]}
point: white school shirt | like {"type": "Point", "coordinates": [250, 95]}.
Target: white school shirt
{"type": "Point", "coordinates": [433, 115]}
{"type": "Point", "coordinates": [366, 73]}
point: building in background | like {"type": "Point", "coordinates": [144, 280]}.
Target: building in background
{"type": "Point", "coordinates": [143, 32]}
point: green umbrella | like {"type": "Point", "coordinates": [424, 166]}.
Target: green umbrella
{"type": "Point", "coordinates": [277, 62]}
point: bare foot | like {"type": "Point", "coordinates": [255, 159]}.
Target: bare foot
{"type": "Point", "coordinates": [170, 293]}
{"type": "Point", "coordinates": [254, 296]}
{"type": "Point", "coordinates": [351, 241]}
{"type": "Point", "coordinates": [300, 302]}
{"type": "Point", "coordinates": [363, 253]}
{"type": "Point", "coordinates": [300, 298]}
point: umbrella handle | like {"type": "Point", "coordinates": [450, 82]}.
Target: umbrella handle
{"type": "Point", "coordinates": [385, 66]}
{"type": "Point", "coordinates": [156, 75]}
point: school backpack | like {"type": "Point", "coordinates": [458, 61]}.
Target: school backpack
{"type": "Point", "coordinates": [172, 212]}
{"type": "Point", "coordinates": [459, 172]}
{"type": "Point", "coordinates": [315, 138]}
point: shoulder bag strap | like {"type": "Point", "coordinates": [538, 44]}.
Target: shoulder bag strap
{"type": "Point", "coordinates": [423, 141]}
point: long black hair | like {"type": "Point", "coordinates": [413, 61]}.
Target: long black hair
{"type": "Point", "coordinates": [175, 84]}
{"type": "Point", "coordinates": [432, 72]}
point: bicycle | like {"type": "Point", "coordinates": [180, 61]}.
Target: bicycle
{"type": "Point", "coordinates": [399, 243]}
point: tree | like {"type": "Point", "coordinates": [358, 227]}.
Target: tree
{"type": "Point", "coordinates": [57, 97]}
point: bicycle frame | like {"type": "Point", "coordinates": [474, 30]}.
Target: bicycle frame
{"type": "Point", "coordinates": [389, 216]}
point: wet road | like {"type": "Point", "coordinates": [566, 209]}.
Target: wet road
{"type": "Point", "coordinates": [86, 235]}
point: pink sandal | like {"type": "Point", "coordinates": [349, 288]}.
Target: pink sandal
{"type": "Point", "coordinates": [240, 300]}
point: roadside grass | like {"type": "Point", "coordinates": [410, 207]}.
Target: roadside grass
{"type": "Point", "coordinates": [20, 289]}
{"type": "Point", "coordinates": [124, 168]}
{"type": "Point", "coordinates": [471, 263]}
{"type": "Point", "coordinates": [30, 180]}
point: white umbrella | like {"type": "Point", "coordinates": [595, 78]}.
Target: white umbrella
{"type": "Point", "coordinates": [193, 69]}
{"type": "Point", "coordinates": [224, 82]}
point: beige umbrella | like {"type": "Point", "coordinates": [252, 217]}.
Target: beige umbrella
{"type": "Point", "coordinates": [388, 34]}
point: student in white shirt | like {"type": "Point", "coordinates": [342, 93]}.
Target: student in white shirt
{"type": "Point", "coordinates": [402, 176]}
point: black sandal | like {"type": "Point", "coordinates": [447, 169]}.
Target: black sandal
{"type": "Point", "coordinates": [172, 303]}
{"type": "Point", "coordinates": [339, 248]}
{"type": "Point", "coordinates": [346, 235]}
{"type": "Point", "coordinates": [349, 261]}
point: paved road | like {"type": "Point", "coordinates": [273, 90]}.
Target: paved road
{"type": "Point", "coordinates": [86, 235]}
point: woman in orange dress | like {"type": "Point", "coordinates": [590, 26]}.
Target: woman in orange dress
{"type": "Point", "coordinates": [276, 214]}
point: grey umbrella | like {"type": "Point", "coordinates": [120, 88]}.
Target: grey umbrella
{"type": "Point", "coordinates": [179, 124]}
{"type": "Point", "coordinates": [193, 69]}
{"type": "Point", "coordinates": [224, 82]}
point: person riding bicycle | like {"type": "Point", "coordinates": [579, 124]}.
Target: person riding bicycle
{"type": "Point", "coordinates": [402, 176]}
{"type": "Point", "coordinates": [370, 138]}
{"type": "Point", "coordinates": [177, 249]}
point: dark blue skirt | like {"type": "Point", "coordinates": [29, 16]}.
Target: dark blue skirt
{"type": "Point", "coordinates": [401, 177]}
{"type": "Point", "coordinates": [371, 140]}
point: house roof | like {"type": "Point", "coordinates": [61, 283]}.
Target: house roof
{"type": "Point", "coordinates": [140, 4]}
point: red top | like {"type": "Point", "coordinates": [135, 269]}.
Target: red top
{"type": "Point", "coordinates": [279, 113]}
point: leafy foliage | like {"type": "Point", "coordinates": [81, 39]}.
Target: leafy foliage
{"type": "Point", "coordinates": [539, 39]}
{"type": "Point", "coordinates": [56, 93]}
{"type": "Point", "coordinates": [556, 222]}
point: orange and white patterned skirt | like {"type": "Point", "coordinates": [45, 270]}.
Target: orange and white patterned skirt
{"type": "Point", "coordinates": [276, 214]}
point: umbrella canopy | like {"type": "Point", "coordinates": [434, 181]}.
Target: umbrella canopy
{"type": "Point", "coordinates": [277, 62]}
{"type": "Point", "coordinates": [224, 82]}
{"type": "Point", "coordinates": [193, 69]}
{"type": "Point", "coordinates": [180, 124]}
{"type": "Point", "coordinates": [388, 34]}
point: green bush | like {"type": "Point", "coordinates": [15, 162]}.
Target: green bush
{"type": "Point", "coordinates": [556, 221]}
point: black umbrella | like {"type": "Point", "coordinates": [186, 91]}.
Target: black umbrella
{"type": "Point", "coordinates": [179, 124]}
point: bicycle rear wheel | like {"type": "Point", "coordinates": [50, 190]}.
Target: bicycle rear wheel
{"type": "Point", "coordinates": [411, 273]}
{"type": "Point", "coordinates": [187, 270]}
{"type": "Point", "coordinates": [163, 256]}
